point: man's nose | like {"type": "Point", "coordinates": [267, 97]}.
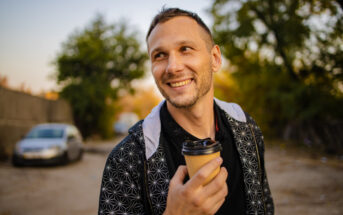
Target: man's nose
{"type": "Point", "coordinates": [174, 63]}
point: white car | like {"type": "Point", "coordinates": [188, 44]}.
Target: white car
{"type": "Point", "coordinates": [50, 143]}
{"type": "Point", "coordinates": [126, 121]}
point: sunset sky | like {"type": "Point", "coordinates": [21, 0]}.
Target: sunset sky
{"type": "Point", "coordinates": [32, 31]}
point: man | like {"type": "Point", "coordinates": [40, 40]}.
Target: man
{"type": "Point", "coordinates": [146, 173]}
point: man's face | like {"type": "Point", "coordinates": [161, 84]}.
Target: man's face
{"type": "Point", "coordinates": [181, 61]}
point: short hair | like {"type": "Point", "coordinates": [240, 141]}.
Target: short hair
{"type": "Point", "coordinates": [168, 13]}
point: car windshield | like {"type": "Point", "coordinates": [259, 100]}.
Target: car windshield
{"type": "Point", "coordinates": [45, 133]}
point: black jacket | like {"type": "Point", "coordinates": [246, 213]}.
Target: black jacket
{"type": "Point", "coordinates": [136, 177]}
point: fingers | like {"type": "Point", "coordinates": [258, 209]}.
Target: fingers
{"type": "Point", "coordinates": [212, 196]}
{"type": "Point", "coordinates": [218, 197]}
{"type": "Point", "coordinates": [200, 177]}
{"type": "Point", "coordinates": [215, 208]}
{"type": "Point", "coordinates": [193, 197]}
{"type": "Point", "coordinates": [217, 183]}
{"type": "Point", "coordinates": [179, 175]}
{"type": "Point", "coordinates": [209, 204]}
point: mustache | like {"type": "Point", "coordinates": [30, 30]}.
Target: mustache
{"type": "Point", "coordinates": [172, 76]}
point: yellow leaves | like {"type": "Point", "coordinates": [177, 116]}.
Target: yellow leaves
{"type": "Point", "coordinates": [141, 103]}
{"type": "Point", "coordinates": [225, 87]}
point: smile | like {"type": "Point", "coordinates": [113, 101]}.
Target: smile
{"type": "Point", "coordinates": [180, 83]}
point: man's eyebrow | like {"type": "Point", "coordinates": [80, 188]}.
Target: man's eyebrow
{"type": "Point", "coordinates": [179, 43]}
{"type": "Point", "coordinates": [157, 49]}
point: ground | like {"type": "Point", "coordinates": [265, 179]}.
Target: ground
{"type": "Point", "coordinates": [301, 183]}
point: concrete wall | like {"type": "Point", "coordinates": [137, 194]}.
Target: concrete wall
{"type": "Point", "coordinates": [19, 112]}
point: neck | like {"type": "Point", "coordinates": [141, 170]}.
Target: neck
{"type": "Point", "coordinates": [197, 120]}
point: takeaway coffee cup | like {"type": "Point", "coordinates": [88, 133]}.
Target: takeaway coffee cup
{"type": "Point", "coordinates": [198, 153]}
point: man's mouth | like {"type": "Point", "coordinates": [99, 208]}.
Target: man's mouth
{"type": "Point", "coordinates": [180, 83]}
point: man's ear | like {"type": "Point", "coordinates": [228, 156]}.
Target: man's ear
{"type": "Point", "coordinates": [216, 58]}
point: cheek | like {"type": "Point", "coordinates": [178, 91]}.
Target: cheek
{"type": "Point", "coordinates": [199, 61]}
{"type": "Point", "coordinates": [157, 71]}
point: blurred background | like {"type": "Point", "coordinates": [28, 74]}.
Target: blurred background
{"type": "Point", "coordinates": [84, 63]}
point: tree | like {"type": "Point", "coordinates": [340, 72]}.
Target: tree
{"type": "Point", "coordinates": [137, 103]}
{"type": "Point", "coordinates": [93, 66]}
{"type": "Point", "coordinates": [287, 58]}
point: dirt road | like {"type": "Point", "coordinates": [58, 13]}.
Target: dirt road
{"type": "Point", "coordinates": [303, 184]}
{"type": "Point", "coordinates": [300, 183]}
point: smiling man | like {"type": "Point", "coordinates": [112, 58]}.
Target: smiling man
{"type": "Point", "coordinates": [146, 173]}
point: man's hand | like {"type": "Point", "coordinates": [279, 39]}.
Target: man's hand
{"type": "Point", "coordinates": [193, 197]}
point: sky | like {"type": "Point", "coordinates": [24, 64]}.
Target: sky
{"type": "Point", "coordinates": [32, 32]}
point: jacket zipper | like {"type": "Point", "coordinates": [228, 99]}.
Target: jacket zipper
{"type": "Point", "coordinates": [146, 187]}
{"type": "Point", "coordinates": [259, 166]}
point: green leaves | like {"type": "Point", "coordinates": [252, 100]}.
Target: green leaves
{"type": "Point", "coordinates": [286, 57]}
{"type": "Point", "coordinates": [90, 62]}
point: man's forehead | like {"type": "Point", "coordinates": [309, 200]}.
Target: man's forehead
{"type": "Point", "coordinates": [175, 27]}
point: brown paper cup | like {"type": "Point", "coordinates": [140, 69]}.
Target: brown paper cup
{"type": "Point", "coordinates": [198, 153]}
{"type": "Point", "coordinates": [195, 162]}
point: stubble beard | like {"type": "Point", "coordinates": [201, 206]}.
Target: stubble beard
{"type": "Point", "coordinates": [189, 102]}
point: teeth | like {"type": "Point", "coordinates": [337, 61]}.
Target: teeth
{"type": "Point", "coordinates": [179, 84]}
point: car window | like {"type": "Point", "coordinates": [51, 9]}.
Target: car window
{"type": "Point", "coordinates": [46, 133]}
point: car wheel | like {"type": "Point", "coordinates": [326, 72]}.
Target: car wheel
{"type": "Point", "coordinates": [79, 157]}
{"type": "Point", "coordinates": [65, 159]}
{"type": "Point", "coordinates": [16, 162]}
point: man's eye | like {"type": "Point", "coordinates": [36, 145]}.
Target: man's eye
{"type": "Point", "coordinates": [159, 55]}
{"type": "Point", "coordinates": [185, 48]}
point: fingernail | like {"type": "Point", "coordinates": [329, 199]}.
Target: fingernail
{"type": "Point", "coordinates": [219, 159]}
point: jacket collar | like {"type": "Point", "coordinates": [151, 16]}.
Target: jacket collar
{"type": "Point", "coordinates": [151, 126]}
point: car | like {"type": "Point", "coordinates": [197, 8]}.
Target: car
{"type": "Point", "coordinates": [126, 121]}
{"type": "Point", "coordinates": [50, 143]}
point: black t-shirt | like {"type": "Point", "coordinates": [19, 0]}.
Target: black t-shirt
{"type": "Point", "coordinates": [172, 137]}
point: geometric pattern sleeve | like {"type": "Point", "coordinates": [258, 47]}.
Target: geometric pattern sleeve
{"type": "Point", "coordinates": [268, 200]}
{"type": "Point", "coordinates": [121, 187]}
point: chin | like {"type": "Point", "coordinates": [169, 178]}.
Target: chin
{"type": "Point", "coordinates": [182, 102]}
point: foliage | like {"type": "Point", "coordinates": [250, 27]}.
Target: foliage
{"type": "Point", "coordinates": [225, 87]}
{"type": "Point", "coordinates": [286, 57]}
{"type": "Point", "coordinates": [137, 102]}
{"type": "Point", "coordinates": [93, 66]}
